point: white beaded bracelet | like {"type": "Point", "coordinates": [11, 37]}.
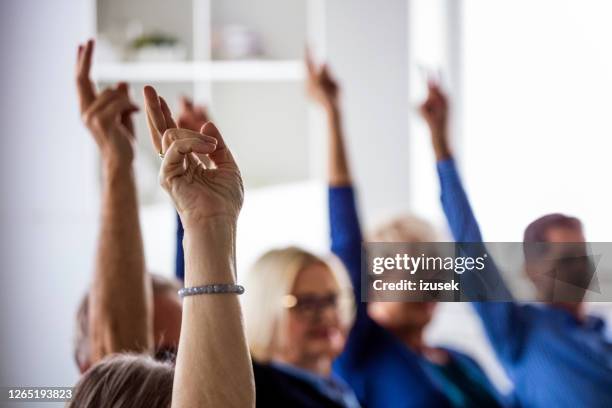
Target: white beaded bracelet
{"type": "Point", "coordinates": [216, 288]}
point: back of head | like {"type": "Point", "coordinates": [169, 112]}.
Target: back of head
{"type": "Point", "coordinates": [409, 232]}
{"type": "Point", "coordinates": [82, 353]}
{"type": "Point", "coordinates": [125, 381]}
{"type": "Point", "coordinates": [405, 228]}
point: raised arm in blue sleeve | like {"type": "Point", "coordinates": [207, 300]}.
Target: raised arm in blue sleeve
{"type": "Point", "coordinates": [346, 240]}
{"type": "Point", "coordinates": [503, 321]}
{"type": "Point", "coordinates": [345, 232]}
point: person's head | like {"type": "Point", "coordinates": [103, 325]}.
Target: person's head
{"type": "Point", "coordinates": [553, 243]}
{"type": "Point", "coordinates": [167, 314]}
{"type": "Point", "coordinates": [125, 381]}
{"type": "Point", "coordinates": [403, 316]}
{"type": "Point", "coordinates": [298, 308]}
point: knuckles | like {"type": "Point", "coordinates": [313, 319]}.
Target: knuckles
{"type": "Point", "coordinates": [95, 122]}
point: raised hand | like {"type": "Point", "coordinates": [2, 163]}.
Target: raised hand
{"type": "Point", "coordinates": [435, 112]}
{"type": "Point", "coordinates": [199, 193]}
{"type": "Point", "coordinates": [321, 86]}
{"type": "Point", "coordinates": [108, 114]}
{"type": "Point", "coordinates": [191, 116]}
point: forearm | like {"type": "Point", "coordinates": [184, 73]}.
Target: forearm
{"type": "Point", "coordinates": [440, 144]}
{"type": "Point", "coordinates": [339, 174]}
{"type": "Point", "coordinates": [213, 366]}
{"type": "Point", "coordinates": [489, 284]}
{"type": "Point", "coordinates": [456, 205]}
{"type": "Point", "coordinates": [120, 297]}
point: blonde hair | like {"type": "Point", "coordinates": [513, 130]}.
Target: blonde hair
{"type": "Point", "coordinates": [271, 278]}
{"type": "Point", "coordinates": [404, 228]}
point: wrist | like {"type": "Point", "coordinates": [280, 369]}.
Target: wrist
{"type": "Point", "coordinates": [332, 109]}
{"type": "Point", "coordinates": [210, 252]}
{"type": "Point", "coordinates": [442, 152]}
{"type": "Point", "coordinates": [113, 163]}
{"type": "Point", "coordinates": [440, 144]}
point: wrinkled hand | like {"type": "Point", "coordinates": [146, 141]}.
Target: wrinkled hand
{"type": "Point", "coordinates": [321, 86]}
{"type": "Point", "coordinates": [435, 112]}
{"type": "Point", "coordinates": [191, 116]}
{"type": "Point", "coordinates": [199, 193]}
{"type": "Point", "coordinates": [107, 115]}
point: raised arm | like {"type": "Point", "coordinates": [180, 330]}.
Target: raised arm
{"type": "Point", "coordinates": [213, 366]}
{"type": "Point", "coordinates": [346, 237]}
{"type": "Point", "coordinates": [503, 320]}
{"type": "Point", "coordinates": [324, 90]}
{"type": "Point", "coordinates": [457, 208]}
{"type": "Point", "coordinates": [120, 317]}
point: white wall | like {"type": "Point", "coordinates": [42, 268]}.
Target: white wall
{"type": "Point", "coordinates": [49, 184]}
{"type": "Point", "coordinates": [537, 137]}
{"type": "Point", "coordinates": [367, 50]}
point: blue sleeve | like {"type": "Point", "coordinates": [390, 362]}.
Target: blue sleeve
{"type": "Point", "coordinates": [489, 284]}
{"type": "Point", "coordinates": [346, 240]}
{"type": "Point", "coordinates": [504, 321]}
{"type": "Point", "coordinates": [346, 233]}
{"type": "Point", "coordinates": [180, 256]}
{"type": "Point", "coordinates": [455, 203]}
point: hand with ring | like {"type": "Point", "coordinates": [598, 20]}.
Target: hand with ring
{"type": "Point", "coordinates": [200, 192]}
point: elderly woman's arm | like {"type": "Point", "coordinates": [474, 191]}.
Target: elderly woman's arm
{"type": "Point", "coordinates": [213, 366]}
{"type": "Point", "coordinates": [120, 317]}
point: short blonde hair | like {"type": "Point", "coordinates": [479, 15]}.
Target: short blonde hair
{"type": "Point", "coordinates": [404, 228]}
{"type": "Point", "coordinates": [271, 278]}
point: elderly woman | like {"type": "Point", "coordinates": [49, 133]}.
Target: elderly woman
{"type": "Point", "coordinates": [297, 313]}
{"type": "Point", "coordinates": [213, 366]}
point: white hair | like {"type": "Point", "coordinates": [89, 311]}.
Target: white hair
{"type": "Point", "coordinates": [404, 228]}
{"type": "Point", "coordinates": [271, 278]}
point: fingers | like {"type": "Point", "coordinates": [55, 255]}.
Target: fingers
{"type": "Point", "coordinates": [201, 113]}
{"type": "Point", "coordinates": [155, 117]}
{"type": "Point", "coordinates": [98, 104]}
{"type": "Point", "coordinates": [117, 107]}
{"type": "Point", "coordinates": [311, 68]}
{"type": "Point", "coordinates": [186, 104]}
{"type": "Point", "coordinates": [167, 113]}
{"type": "Point", "coordinates": [85, 88]}
{"type": "Point", "coordinates": [126, 116]}
{"type": "Point", "coordinates": [172, 135]}
{"type": "Point", "coordinates": [111, 105]}
{"type": "Point", "coordinates": [221, 157]}
{"type": "Point", "coordinates": [174, 163]}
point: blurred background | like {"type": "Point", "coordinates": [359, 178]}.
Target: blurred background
{"type": "Point", "coordinates": [529, 81]}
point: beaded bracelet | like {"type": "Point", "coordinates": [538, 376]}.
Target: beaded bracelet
{"type": "Point", "coordinates": [211, 289]}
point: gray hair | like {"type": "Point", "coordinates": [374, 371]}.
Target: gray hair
{"type": "Point", "coordinates": [82, 351]}
{"type": "Point", "coordinates": [125, 381]}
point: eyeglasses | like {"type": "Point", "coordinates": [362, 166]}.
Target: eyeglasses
{"type": "Point", "coordinates": [310, 306]}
